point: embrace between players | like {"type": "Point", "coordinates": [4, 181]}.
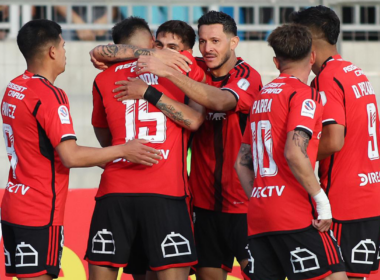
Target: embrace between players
{"type": "Point", "coordinates": [252, 193]}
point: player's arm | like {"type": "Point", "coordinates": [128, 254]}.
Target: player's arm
{"type": "Point", "coordinates": [178, 112]}
{"type": "Point", "coordinates": [73, 155]}
{"type": "Point", "coordinates": [105, 54]}
{"type": "Point", "coordinates": [104, 136]}
{"type": "Point", "coordinates": [298, 160]}
{"type": "Point", "coordinates": [211, 97]}
{"type": "Point", "coordinates": [332, 140]}
{"type": "Point", "coordinates": [244, 168]}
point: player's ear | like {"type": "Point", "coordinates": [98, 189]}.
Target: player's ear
{"type": "Point", "coordinates": [276, 62]}
{"type": "Point", "coordinates": [313, 57]}
{"type": "Point", "coordinates": [234, 42]}
{"type": "Point", "coordinates": [52, 52]}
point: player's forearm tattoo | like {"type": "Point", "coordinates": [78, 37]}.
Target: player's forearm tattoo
{"type": "Point", "coordinates": [172, 113]}
{"type": "Point", "coordinates": [109, 51]}
{"type": "Point", "coordinates": [246, 159]}
{"type": "Point", "coordinates": [122, 52]}
{"type": "Point", "coordinates": [301, 139]}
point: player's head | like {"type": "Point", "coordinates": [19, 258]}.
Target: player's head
{"type": "Point", "coordinates": [217, 38]}
{"type": "Point", "coordinates": [322, 21]}
{"type": "Point", "coordinates": [40, 42]}
{"type": "Point", "coordinates": [292, 46]}
{"type": "Point", "coordinates": [133, 31]}
{"type": "Point", "coordinates": [176, 35]}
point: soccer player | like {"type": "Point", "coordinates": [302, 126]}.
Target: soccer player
{"type": "Point", "coordinates": [282, 137]}
{"type": "Point", "coordinates": [220, 205]}
{"type": "Point", "coordinates": [138, 210]}
{"type": "Point", "coordinates": [349, 145]}
{"type": "Point", "coordinates": [41, 146]}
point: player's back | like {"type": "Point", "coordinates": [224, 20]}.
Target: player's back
{"type": "Point", "coordinates": [283, 105]}
{"type": "Point", "coordinates": [351, 176]}
{"type": "Point", "coordinates": [132, 119]}
{"type": "Point", "coordinates": [35, 120]}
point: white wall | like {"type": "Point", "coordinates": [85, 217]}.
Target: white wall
{"type": "Point", "coordinates": [79, 75]}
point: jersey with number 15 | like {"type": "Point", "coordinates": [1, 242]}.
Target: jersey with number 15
{"type": "Point", "coordinates": [351, 177]}
{"type": "Point", "coordinates": [278, 201]}
{"type": "Point", "coordinates": [132, 119]}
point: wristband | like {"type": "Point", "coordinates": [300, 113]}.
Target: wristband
{"type": "Point", "coordinates": [152, 95]}
{"type": "Point", "coordinates": [323, 206]}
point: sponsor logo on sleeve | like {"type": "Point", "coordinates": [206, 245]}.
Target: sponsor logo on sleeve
{"type": "Point", "coordinates": [63, 114]}
{"type": "Point", "coordinates": [243, 84]}
{"type": "Point", "coordinates": [308, 108]}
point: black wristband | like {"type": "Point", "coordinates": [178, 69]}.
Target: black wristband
{"type": "Point", "coordinates": [152, 95]}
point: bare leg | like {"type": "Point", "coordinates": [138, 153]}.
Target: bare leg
{"type": "Point", "coordinates": [355, 278]}
{"type": "Point", "coordinates": [150, 275]}
{"type": "Point", "coordinates": [243, 263]}
{"type": "Point", "coordinates": [337, 276]}
{"type": "Point", "coordinates": [42, 277]}
{"type": "Point", "coordinates": [97, 272]}
{"type": "Point", "coordinates": [211, 273]}
{"type": "Point", "coordinates": [179, 273]}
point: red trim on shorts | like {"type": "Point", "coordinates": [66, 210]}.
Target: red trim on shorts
{"type": "Point", "coordinates": [327, 249]}
{"type": "Point", "coordinates": [173, 266]}
{"type": "Point", "coordinates": [321, 276]}
{"type": "Point", "coordinates": [194, 268]}
{"type": "Point", "coordinates": [226, 268]}
{"type": "Point", "coordinates": [106, 263]}
{"type": "Point", "coordinates": [49, 248]}
{"type": "Point", "coordinates": [26, 275]}
{"type": "Point", "coordinates": [339, 233]}
{"type": "Point", "coordinates": [332, 247]}
{"type": "Point", "coordinates": [56, 245]}
{"type": "Point", "coordinates": [53, 247]}
{"type": "Point", "coordinates": [245, 276]}
{"type": "Point", "coordinates": [352, 274]}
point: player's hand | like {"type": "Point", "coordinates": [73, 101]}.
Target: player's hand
{"type": "Point", "coordinates": [97, 64]}
{"type": "Point", "coordinates": [134, 88]}
{"type": "Point", "coordinates": [152, 65]}
{"type": "Point", "coordinates": [135, 151]}
{"type": "Point", "coordinates": [322, 225]}
{"type": "Point", "coordinates": [173, 59]}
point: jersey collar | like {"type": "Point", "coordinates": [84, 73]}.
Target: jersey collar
{"type": "Point", "coordinates": [331, 58]}
{"type": "Point", "coordinates": [218, 79]}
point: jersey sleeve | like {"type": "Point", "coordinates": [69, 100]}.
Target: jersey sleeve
{"type": "Point", "coordinates": [305, 110]}
{"type": "Point", "coordinates": [196, 73]}
{"type": "Point", "coordinates": [56, 121]}
{"type": "Point", "coordinates": [334, 109]}
{"type": "Point", "coordinates": [247, 137]}
{"type": "Point", "coordinates": [245, 89]}
{"type": "Point", "coordinates": [99, 116]}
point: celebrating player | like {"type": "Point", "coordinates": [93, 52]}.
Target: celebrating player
{"type": "Point", "coordinates": [348, 149]}
{"type": "Point", "coordinates": [282, 137]}
{"type": "Point", "coordinates": [142, 212]}
{"type": "Point", "coordinates": [41, 146]}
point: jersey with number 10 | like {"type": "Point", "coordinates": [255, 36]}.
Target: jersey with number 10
{"type": "Point", "coordinates": [139, 119]}
{"type": "Point", "coordinates": [278, 201]}
{"type": "Point", "coordinates": [351, 177]}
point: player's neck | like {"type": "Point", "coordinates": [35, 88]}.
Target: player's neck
{"type": "Point", "coordinates": [226, 67]}
{"type": "Point", "coordinates": [323, 51]}
{"type": "Point", "coordinates": [42, 70]}
{"type": "Point", "coordinates": [299, 71]}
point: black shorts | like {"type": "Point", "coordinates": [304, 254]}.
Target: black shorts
{"type": "Point", "coordinates": [219, 237]}
{"type": "Point", "coordinates": [32, 252]}
{"type": "Point", "coordinates": [360, 246]}
{"type": "Point", "coordinates": [307, 254]}
{"type": "Point", "coordinates": [127, 228]}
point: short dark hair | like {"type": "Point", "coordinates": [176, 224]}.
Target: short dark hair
{"type": "Point", "coordinates": [179, 28]}
{"type": "Point", "coordinates": [319, 19]}
{"type": "Point", "coordinates": [35, 34]}
{"type": "Point", "coordinates": [291, 42]}
{"type": "Point", "coordinates": [125, 29]}
{"type": "Point", "coordinates": [214, 17]}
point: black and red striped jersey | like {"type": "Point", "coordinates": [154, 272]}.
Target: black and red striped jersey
{"type": "Point", "coordinates": [351, 177]}
{"type": "Point", "coordinates": [36, 118]}
{"type": "Point", "coordinates": [213, 179]}
{"type": "Point", "coordinates": [278, 201]}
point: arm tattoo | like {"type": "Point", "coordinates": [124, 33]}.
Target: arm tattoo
{"type": "Point", "coordinates": [139, 52]}
{"type": "Point", "coordinates": [171, 113]}
{"type": "Point", "coordinates": [123, 52]}
{"type": "Point", "coordinates": [246, 159]}
{"type": "Point", "coordinates": [301, 139]}
{"type": "Point", "coordinates": [109, 51]}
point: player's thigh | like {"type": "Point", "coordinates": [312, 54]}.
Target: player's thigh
{"type": "Point", "coordinates": [112, 232]}
{"type": "Point", "coordinates": [32, 252]}
{"type": "Point", "coordinates": [209, 240]}
{"type": "Point", "coordinates": [166, 232]}
{"type": "Point", "coordinates": [97, 272]}
{"type": "Point", "coordinates": [211, 273]}
{"type": "Point", "coordinates": [359, 242]}
{"type": "Point", "coordinates": [308, 254]}
{"type": "Point", "coordinates": [178, 273]}
{"type": "Point", "coordinates": [263, 263]}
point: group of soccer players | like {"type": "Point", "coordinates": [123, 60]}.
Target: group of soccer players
{"type": "Point", "coordinates": [261, 203]}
